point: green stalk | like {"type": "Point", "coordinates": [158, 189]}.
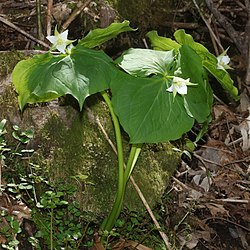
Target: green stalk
{"type": "Point", "coordinates": [133, 156]}
{"type": "Point", "coordinates": [51, 228]}
{"type": "Point", "coordinates": [123, 175]}
{"type": "Point", "coordinates": [110, 220]}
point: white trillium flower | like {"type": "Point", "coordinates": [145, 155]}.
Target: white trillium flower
{"type": "Point", "coordinates": [69, 48]}
{"type": "Point", "coordinates": [179, 85]}
{"type": "Point", "coordinates": [223, 61]}
{"type": "Point", "coordinates": [60, 41]}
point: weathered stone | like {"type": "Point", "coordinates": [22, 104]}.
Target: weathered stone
{"type": "Point", "coordinates": [69, 144]}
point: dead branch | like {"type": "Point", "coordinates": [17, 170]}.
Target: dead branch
{"type": "Point", "coordinates": [74, 14]}
{"type": "Point", "coordinates": [211, 32]}
{"type": "Point", "coordinates": [235, 36]}
{"type": "Point", "coordinates": [248, 44]}
{"type": "Point", "coordinates": [39, 20]}
{"type": "Point", "coordinates": [49, 17]}
{"type": "Point", "coordinates": [13, 26]}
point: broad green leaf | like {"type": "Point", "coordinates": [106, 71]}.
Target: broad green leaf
{"type": "Point", "coordinates": [199, 98]}
{"type": "Point", "coordinates": [145, 62]}
{"type": "Point", "coordinates": [161, 43]}
{"type": "Point", "coordinates": [46, 77]}
{"type": "Point", "coordinates": [186, 39]}
{"type": "Point", "coordinates": [28, 75]}
{"type": "Point", "coordinates": [97, 37]}
{"type": "Point", "coordinates": [209, 61]}
{"type": "Point", "coordinates": [149, 113]}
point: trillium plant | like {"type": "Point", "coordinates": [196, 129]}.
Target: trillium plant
{"type": "Point", "coordinates": [157, 94]}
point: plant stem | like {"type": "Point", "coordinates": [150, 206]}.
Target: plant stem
{"type": "Point", "coordinates": [110, 220]}
{"type": "Point", "coordinates": [134, 154]}
{"type": "Point", "coordinates": [123, 175]}
{"type": "Point", "coordinates": [51, 229]}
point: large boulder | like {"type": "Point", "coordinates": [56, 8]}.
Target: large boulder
{"type": "Point", "coordinates": [70, 145]}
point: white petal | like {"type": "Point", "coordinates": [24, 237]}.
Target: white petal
{"type": "Point", "coordinates": [61, 48]}
{"type": "Point", "coordinates": [171, 88]}
{"type": "Point", "coordinates": [181, 89]}
{"type": "Point", "coordinates": [64, 35]}
{"type": "Point", "coordinates": [52, 39]}
{"type": "Point", "coordinates": [225, 60]}
{"type": "Point", "coordinates": [177, 79]}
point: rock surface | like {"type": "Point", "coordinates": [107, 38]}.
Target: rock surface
{"type": "Point", "coordinates": [69, 144]}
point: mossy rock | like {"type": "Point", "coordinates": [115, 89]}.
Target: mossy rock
{"type": "Point", "coordinates": [70, 145]}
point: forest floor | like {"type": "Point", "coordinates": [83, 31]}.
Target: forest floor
{"type": "Point", "coordinates": [207, 205]}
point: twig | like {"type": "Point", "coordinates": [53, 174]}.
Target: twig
{"type": "Point", "coordinates": [49, 17]}
{"type": "Point", "coordinates": [181, 221]}
{"type": "Point", "coordinates": [203, 160]}
{"type": "Point", "coordinates": [13, 26]}
{"type": "Point", "coordinates": [234, 35]}
{"type": "Point", "coordinates": [163, 235]}
{"type": "Point", "coordinates": [180, 25]}
{"type": "Point", "coordinates": [145, 203]}
{"type": "Point", "coordinates": [233, 200]}
{"type": "Point", "coordinates": [39, 21]}
{"type": "Point", "coordinates": [74, 14]}
{"type": "Point", "coordinates": [216, 30]}
{"type": "Point", "coordinates": [238, 161]}
{"type": "Point", "coordinates": [229, 221]}
{"type": "Point", "coordinates": [208, 25]}
{"type": "Point", "coordinates": [184, 186]}
{"type": "Point", "coordinates": [248, 45]}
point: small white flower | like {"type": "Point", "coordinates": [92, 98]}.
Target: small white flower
{"type": "Point", "coordinates": [179, 85]}
{"type": "Point", "coordinates": [223, 61]}
{"type": "Point", "coordinates": [60, 41]}
{"type": "Point", "coordinates": [69, 48]}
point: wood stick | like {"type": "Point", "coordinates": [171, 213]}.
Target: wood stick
{"type": "Point", "coordinates": [49, 17]}
{"type": "Point", "coordinates": [13, 26]}
{"type": "Point", "coordinates": [234, 35]}
{"type": "Point", "coordinates": [39, 20]}
{"type": "Point", "coordinates": [248, 45]}
{"type": "Point", "coordinates": [74, 14]}
{"type": "Point", "coordinates": [208, 25]}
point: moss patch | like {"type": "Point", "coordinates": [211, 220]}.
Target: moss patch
{"type": "Point", "coordinates": [70, 145]}
{"type": "Point", "coordinates": [8, 60]}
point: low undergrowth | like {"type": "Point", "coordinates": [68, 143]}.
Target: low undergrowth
{"type": "Point", "coordinates": [38, 214]}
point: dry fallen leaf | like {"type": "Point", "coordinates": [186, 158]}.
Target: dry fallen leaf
{"type": "Point", "coordinates": [136, 245]}
{"type": "Point", "coordinates": [196, 236]}
{"type": "Point", "coordinates": [216, 209]}
{"type": "Point", "coordinates": [98, 246]}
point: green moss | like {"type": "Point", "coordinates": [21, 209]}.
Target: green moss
{"type": "Point", "coordinates": [70, 144]}
{"type": "Point", "coordinates": [156, 164]}
{"type": "Point", "coordinates": [80, 148]}
{"type": "Point", "coordinates": [8, 60]}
